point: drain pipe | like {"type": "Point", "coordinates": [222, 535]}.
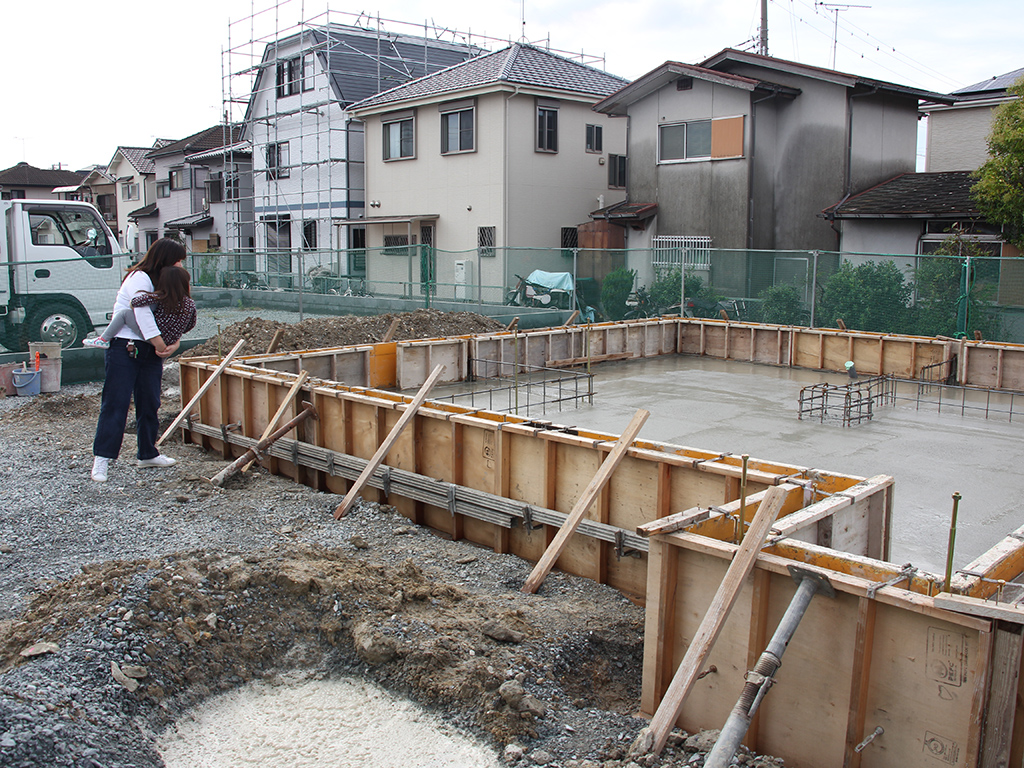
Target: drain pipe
{"type": "Point", "coordinates": [761, 678]}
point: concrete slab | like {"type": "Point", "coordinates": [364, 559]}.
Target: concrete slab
{"type": "Point", "coordinates": [735, 407]}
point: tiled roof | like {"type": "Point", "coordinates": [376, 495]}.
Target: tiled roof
{"type": "Point", "coordinates": [363, 62]}
{"type": "Point", "coordinates": [136, 156]}
{"type": "Point", "coordinates": [991, 87]}
{"type": "Point", "coordinates": [912, 196]}
{"type": "Point", "coordinates": [25, 175]}
{"type": "Point", "coordinates": [240, 149]}
{"type": "Point", "coordinates": [518, 64]}
{"type": "Point", "coordinates": [192, 221]}
{"type": "Point", "coordinates": [211, 138]}
{"type": "Point", "coordinates": [144, 211]}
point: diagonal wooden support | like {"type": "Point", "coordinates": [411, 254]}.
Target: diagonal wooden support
{"type": "Point", "coordinates": [280, 411]}
{"type": "Point", "coordinates": [265, 442]}
{"type": "Point", "coordinates": [202, 391]}
{"type": "Point", "coordinates": [653, 737]}
{"type": "Point", "coordinates": [588, 497]}
{"type": "Point", "coordinates": [396, 431]}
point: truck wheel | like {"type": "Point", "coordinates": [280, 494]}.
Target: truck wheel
{"type": "Point", "coordinates": [59, 323]}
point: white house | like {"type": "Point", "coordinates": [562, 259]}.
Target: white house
{"type": "Point", "coordinates": [500, 152]}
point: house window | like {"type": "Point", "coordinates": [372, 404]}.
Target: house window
{"type": "Point", "coordinates": [570, 240]}
{"type": "Point", "coordinates": [163, 189]}
{"type": "Point", "coordinates": [485, 240]}
{"type": "Point", "coordinates": [617, 171]}
{"type": "Point", "coordinates": [457, 132]}
{"type": "Point", "coordinates": [547, 128]}
{"type": "Point", "coordinates": [16, 194]}
{"type": "Point", "coordinates": [279, 245]}
{"type": "Point", "coordinates": [129, 191]}
{"type": "Point", "coordinates": [309, 235]}
{"type": "Point", "coordinates": [594, 138]}
{"type": "Point", "coordinates": [179, 178]}
{"type": "Point", "coordinates": [396, 245]}
{"type": "Point", "coordinates": [357, 252]}
{"type": "Point", "coordinates": [230, 185]}
{"type": "Point", "coordinates": [214, 188]}
{"type": "Point", "coordinates": [277, 161]}
{"type": "Point", "coordinates": [398, 139]}
{"type": "Point", "coordinates": [701, 140]}
{"type": "Point", "coordinates": [293, 76]}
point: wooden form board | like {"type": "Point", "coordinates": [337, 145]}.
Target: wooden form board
{"type": "Point", "coordinates": [500, 454]}
{"type": "Point", "coordinates": [855, 663]}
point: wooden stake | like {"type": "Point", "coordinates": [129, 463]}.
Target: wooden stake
{"type": "Point", "coordinates": [250, 456]}
{"type": "Point", "coordinates": [392, 329]}
{"type": "Point", "coordinates": [572, 318]}
{"type": "Point", "coordinates": [275, 342]}
{"type": "Point", "coordinates": [653, 737]}
{"type": "Point", "coordinates": [280, 411]}
{"type": "Point", "coordinates": [202, 391]}
{"type": "Point", "coordinates": [513, 325]}
{"type": "Point", "coordinates": [558, 544]}
{"type": "Point", "coordinates": [396, 431]}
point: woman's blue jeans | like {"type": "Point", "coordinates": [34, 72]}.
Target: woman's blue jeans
{"type": "Point", "coordinates": [128, 377]}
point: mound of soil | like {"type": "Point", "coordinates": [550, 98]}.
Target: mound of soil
{"type": "Point", "coordinates": [325, 332]}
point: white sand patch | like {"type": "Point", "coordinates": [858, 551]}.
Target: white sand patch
{"type": "Point", "coordinates": [298, 723]}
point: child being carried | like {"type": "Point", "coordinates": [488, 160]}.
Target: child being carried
{"type": "Point", "coordinates": [173, 310]}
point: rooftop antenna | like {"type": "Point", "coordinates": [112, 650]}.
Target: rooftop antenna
{"type": "Point", "coordinates": [836, 8]}
{"type": "Point", "coordinates": [522, 21]}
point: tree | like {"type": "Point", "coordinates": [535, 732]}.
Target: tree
{"type": "Point", "coordinates": [999, 186]}
{"type": "Point", "coordinates": [615, 290]}
{"type": "Point", "coordinates": [867, 297]}
{"type": "Point", "coordinates": [945, 305]}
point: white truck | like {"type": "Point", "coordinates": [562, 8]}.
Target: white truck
{"type": "Point", "coordinates": [60, 268]}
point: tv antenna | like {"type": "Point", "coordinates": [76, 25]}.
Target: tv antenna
{"type": "Point", "coordinates": [836, 8]}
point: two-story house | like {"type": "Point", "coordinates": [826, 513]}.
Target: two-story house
{"type": "Point", "coordinates": [744, 151]}
{"type": "Point", "coordinates": [307, 149]}
{"type": "Point", "coordinates": [27, 181]}
{"type": "Point", "coordinates": [497, 153]}
{"type": "Point", "coordinates": [135, 189]}
{"type": "Point", "coordinates": [183, 195]}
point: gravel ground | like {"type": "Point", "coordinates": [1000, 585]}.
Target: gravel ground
{"type": "Point", "coordinates": [125, 604]}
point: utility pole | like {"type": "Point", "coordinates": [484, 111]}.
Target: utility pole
{"type": "Point", "coordinates": [836, 8]}
{"type": "Point", "coordinates": [762, 46]}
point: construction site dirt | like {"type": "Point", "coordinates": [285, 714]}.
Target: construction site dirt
{"type": "Point", "coordinates": [158, 591]}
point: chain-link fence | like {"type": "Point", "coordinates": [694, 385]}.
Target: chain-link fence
{"type": "Point", "coordinates": [960, 290]}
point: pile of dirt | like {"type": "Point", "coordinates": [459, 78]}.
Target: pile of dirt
{"type": "Point", "coordinates": [326, 332]}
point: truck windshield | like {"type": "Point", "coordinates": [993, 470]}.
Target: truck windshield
{"type": "Point", "coordinates": [77, 228]}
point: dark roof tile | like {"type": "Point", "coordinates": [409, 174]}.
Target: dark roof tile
{"type": "Point", "coordinates": [912, 196]}
{"type": "Point", "coordinates": [25, 175]}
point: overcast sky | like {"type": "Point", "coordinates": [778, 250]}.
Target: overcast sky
{"type": "Point", "coordinates": [83, 77]}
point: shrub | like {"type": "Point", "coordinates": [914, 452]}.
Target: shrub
{"type": "Point", "coordinates": [615, 290]}
{"type": "Point", "coordinates": [867, 297]}
{"type": "Point", "coordinates": [784, 305]}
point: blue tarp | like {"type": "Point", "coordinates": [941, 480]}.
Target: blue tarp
{"type": "Point", "coordinates": [553, 281]}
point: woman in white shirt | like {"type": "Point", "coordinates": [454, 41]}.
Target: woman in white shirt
{"type": "Point", "coordinates": [134, 366]}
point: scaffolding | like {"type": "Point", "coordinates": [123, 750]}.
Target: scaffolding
{"type": "Point", "coordinates": [289, 83]}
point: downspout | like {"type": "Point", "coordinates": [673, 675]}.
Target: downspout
{"type": "Point", "coordinates": [504, 191]}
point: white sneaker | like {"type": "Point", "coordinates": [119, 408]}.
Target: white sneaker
{"type": "Point", "coordinates": [97, 342]}
{"type": "Point", "coordinates": [157, 461]}
{"type": "Point", "coordinates": [99, 469]}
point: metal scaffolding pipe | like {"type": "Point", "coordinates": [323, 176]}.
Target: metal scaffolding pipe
{"type": "Point", "coordinates": [761, 678]}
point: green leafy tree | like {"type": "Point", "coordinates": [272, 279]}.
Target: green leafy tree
{"type": "Point", "coordinates": [999, 185]}
{"type": "Point", "coordinates": [867, 297]}
{"type": "Point", "coordinates": [615, 290]}
{"type": "Point", "coordinates": [941, 295]}
{"type": "Point", "coordinates": [665, 290]}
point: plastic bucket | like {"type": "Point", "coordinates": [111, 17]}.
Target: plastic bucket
{"type": "Point", "coordinates": [49, 364]}
{"type": "Point", "coordinates": [26, 382]}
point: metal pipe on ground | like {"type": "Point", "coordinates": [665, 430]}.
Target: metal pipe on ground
{"type": "Point", "coordinates": [762, 677]}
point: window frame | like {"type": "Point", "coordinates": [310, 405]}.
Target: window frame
{"type": "Point", "coordinates": [547, 129]}
{"type": "Point", "coordinates": [291, 77]}
{"type": "Point", "coordinates": [594, 141]}
{"type": "Point", "coordinates": [129, 190]}
{"type": "Point", "coordinates": [618, 166]}
{"type": "Point", "coordinates": [183, 179]}
{"type": "Point", "coordinates": [723, 135]}
{"type": "Point", "coordinates": [461, 130]}
{"type": "Point", "coordinates": [278, 157]}
{"type": "Point", "coordinates": [163, 189]}
{"type": "Point", "coordinates": [486, 241]}
{"type": "Point", "coordinates": [387, 125]}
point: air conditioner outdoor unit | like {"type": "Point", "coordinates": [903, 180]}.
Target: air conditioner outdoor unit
{"type": "Point", "coordinates": [463, 280]}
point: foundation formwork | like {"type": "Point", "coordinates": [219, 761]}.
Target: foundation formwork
{"type": "Point", "coordinates": [938, 673]}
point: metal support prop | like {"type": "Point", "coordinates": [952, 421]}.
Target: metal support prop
{"type": "Point", "coordinates": [761, 678]}
{"type": "Point", "coordinates": [952, 542]}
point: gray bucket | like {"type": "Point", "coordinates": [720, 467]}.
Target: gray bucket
{"type": "Point", "coordinates": [26, 382]}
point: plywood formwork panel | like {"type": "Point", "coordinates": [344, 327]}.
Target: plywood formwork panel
{"type": "Point", "coordinates": [416, 359]}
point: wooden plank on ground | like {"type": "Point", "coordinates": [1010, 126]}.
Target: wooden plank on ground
{"type": "Point", "coordinates": [202, 391]}
{"type": "Point", "coordinates": [296, 386]}
{"type": "Point", "coordinates": [653, 737]}
{"type": "Point", "coordinates": [589, 495]}
{"type": "Point", "coordinates": [385, 446]}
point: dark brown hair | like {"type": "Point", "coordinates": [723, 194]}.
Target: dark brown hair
{"type": "Point", "coordinates": [165, 252]}
{"type": "Point", "coordinates": [172, 287]}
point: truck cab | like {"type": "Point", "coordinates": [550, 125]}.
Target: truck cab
{"type": "Point", "coordinates": [62, 267]}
